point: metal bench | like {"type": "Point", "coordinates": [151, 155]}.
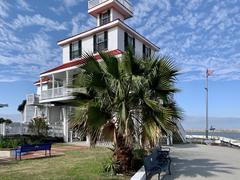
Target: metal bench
{"type": "Point", "coordinates": [156, 163]}
{"type": "Point", "coordinates": [30, 148]}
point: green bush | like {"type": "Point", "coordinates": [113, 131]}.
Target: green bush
{"type": "Point", "coordinates": [7, 142]}
{"type": "Point", "coordinates": [138, 156]}
{"type": "Point", "coordinates": [38, 126]}
{"type": "Point", "coordinates": [111, 166]}
{"type": "Point", "coordinates": [18, 140]}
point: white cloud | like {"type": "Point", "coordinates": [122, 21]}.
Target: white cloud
{"type": "Point", "coordinates": [58, 10]}
{"type": "Point", "coordinates": [4, 7]}
{"type": "Point", "coordinates": [24, 5]}
{"type": "Point", "coordinates": [9, 78]}
{"type": "Point", "coordinates": [25, 58]}
{"type": "Point", "coordinates": [24, 21]}
{"type": "Point", "coordinates": [198, 34]}
{"type": "Point", "coordinates": [82, 22]}
{"type": "Point", "coordinates": [70, 3]}
{"type": "Point", "coordinates": [65, 6]}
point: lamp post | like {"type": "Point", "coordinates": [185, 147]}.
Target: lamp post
{"type": "Point", "coordinates": [208, 73]}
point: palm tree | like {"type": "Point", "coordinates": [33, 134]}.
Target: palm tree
{"type": "Point", "coordinates": [123, 97]}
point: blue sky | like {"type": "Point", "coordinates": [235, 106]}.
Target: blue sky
{"type": "Point", "coordinates": [197, 34]}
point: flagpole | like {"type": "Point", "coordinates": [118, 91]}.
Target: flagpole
{"type": "Point", "coordinates": [206, 88]}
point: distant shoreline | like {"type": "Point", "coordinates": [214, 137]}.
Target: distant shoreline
{"type": "Point", "coordinates": [217, 130]}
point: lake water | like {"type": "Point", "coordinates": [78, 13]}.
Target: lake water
{"type": "Point", "coordinates": [231, 135]}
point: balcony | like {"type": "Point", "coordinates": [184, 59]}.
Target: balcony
{"type": "Point", "coordinates": [56, 93]}
{"type": "Point", "coordinates": [32, 99]}
{"type": "Point", "coordinates": [123, 6]}
{"type": "Point", "coordinates": [59, 94]}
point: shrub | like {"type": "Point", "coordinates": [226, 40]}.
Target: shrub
{"type": "Point", "coordinates": [9, 142]}
{"type": "Point", "coordinates": [137, 161]}
{"type": "Point", "coordinates": [111, 166]}
{"type": "Point", "coordinates": [38, 126]}
{"type": "Point", "coordinates": [17, 140]}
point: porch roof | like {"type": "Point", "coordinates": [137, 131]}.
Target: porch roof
{"type": "Point", "coordinates": [76, 62]}
{"type": "Point", "coordinates": [44, 80]}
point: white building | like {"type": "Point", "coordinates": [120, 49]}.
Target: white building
{"type": "Point", "coordinates": [111, 35]}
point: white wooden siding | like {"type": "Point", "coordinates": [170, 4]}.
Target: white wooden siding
{"type": "Point", "coordinates": [66, 52]}
{"type": "Point", "coordinates": [116, 15]}
{"type": "Point", "coordinates": [112, 39]}
{"type": "Point", "coordinates": [121, 39]}
{"type": "Point", "coordinates": [115, 41]}
{"type": "Point", "coordinates": [87, 45]}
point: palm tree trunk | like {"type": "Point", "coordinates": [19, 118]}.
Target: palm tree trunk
{"type": "Point", "coordinates": [123, 154]}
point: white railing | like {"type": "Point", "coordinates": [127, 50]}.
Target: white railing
{"type": "Point", "coordinates": [59, 92]}
{"type": "Point", "coordinates": [32, 99]}
{"type": "Point", "coordinates": [181, 131]}
{"type": "Point", "coordinates": [55, 93]}
{"type": "Point", "coordinates": [126, 3]}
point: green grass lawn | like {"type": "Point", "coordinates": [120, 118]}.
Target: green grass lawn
{"type": "Point", "coordinates": [79, 164]}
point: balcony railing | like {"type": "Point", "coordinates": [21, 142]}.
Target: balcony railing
{"type": "Point", "coordinates": [58, 92]}
{"type": "Point", "coordinates": [32, 99]}
{"type": "Point", "coordinates": [126, 3]}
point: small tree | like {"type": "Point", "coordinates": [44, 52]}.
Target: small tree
{"type": "Point", "coordinates": [21, 108]}
{"type": "Point", "coordinates": [38, 126]}
{"type": "Point", "coordinates": [6, 121]}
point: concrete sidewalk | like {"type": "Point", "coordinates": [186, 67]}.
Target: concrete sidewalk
{"type": "Point", "coordinates": [198, 162]}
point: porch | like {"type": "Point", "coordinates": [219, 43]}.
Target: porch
{"type": "Point", "coordinates": [58, 87]}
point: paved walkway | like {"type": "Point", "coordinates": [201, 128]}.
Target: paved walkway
{"type": "Point", "coordinates": [197, 162]}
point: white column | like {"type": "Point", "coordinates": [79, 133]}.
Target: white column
{"type": "Point", "coordinates": [170, 139]}
{"type": "Point", "coordinates": [88, 140]}
{"type": "Point", "coordinates": [53, 85]}
{"type": "Point", "coordinates": [48, 114]}
{"type": "Point", "coordinates": [67, 78]}
{"type": "Point", "coordinates": [71, 136]}
{"type": "Point", "coordinates": [40, 87]}
{"type": "Point", "coordinates": [4, 129]}
{"type": "Point", "coordinates": [65, 124]}
{"type": "Point", "coordinates": [98, 20]}
{"type": "Point", "coordinates": [1, 131]}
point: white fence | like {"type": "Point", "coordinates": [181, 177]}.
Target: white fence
{"type": "Point", "coordinates": [229, 141]}
{"type": "Point", "coordinates": [20, 128]}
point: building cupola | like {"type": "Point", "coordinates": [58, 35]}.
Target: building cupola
{"type": "Point", "coordinates": [108, 10]}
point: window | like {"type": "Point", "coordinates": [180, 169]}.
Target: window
{"type": "Point", "coordinates": [105, 17]}
{"type": "Point", "coordinates": [129, 42]}
{"type": "Point", "coordinates": [100, 42]}
{"type": "Point", "coordinates": [146, 51]}
{"type": "Point", "coordinates": [75, 50]}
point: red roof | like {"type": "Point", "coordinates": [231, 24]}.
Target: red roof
{"type": "Point", "coordinates": [44, 80]}
{"type": "Point", "coordinates": [81, 61]}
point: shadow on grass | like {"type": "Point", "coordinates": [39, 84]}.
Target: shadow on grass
{"type": "Point", "coordinates": [13, 161]}
{"type": "Point", "coordinates": [197, 167]}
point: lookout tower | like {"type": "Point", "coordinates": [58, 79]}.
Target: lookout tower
{"type": "Point", "coordinates": [109, 10]}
